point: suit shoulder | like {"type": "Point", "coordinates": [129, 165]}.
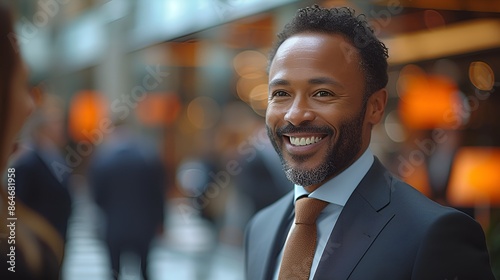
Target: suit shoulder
{"type": "Point", "coordinates": [458, 242]}
{"type": "Point", "coordinates": [415, 206]}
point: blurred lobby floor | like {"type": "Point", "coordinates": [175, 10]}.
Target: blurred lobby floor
{"type": "Point", "coordinates": [186, 251]}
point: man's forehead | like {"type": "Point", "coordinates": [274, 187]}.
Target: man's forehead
{"type": "Point", "coordinates": [314, 41]}
{"type": "Point", "coordinates": [312, 44]}
{"type": "Point", "coordinates": [310, 38]}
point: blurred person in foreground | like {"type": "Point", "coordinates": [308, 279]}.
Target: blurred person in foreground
{"type": "Point", "coordinates": [42, 183]}
{"type": "Point", "coordinates": [127, 178]}
{"type": "Point", "coordinates": [327, 78]}
{"type": "Point", "coordinates": [30, 248]}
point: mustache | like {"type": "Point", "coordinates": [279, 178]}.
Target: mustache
{"type": "Point", "coordinates": [290, 128]}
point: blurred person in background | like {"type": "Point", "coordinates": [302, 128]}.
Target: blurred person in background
{"type": "Point", "coordinates": [41, 183]}
{"type": "Point", "coordinates": [259, 184]}
{"type": "Point", "coordinates": [36, 252]}
{"type": "Point", "coordinates": [327, 79]}
{"type": "Point", "coordinates": [127, 179]}
{"type": "Point", "coordinates": [260, 180]}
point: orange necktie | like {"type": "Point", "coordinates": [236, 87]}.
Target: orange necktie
{"type": "Point", "coordinates": [301, 244]}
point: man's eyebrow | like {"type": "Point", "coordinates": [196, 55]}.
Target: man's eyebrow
{"type": "Point", "coordinates": [279, 82]}
{"type": "Point", "coordinates": [324, 80]}
{"type": "Point", "coordinates": [313, 81]}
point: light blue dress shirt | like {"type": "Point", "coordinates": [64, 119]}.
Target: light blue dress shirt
{"type": "Point", "coordinates": [336, 191]}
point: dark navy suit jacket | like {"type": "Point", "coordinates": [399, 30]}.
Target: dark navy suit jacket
{"type": "Point", "coordinates": [127, 179]}
{"type": "Point", "coordinates": [387, 230]}
{"type": "Point", "coordinates": [38, 187]}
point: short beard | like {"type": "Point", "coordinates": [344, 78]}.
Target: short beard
{"type": "Point", "coordinates": [304, 177]}
{"type": "Point", "coordinates": [338, 157]}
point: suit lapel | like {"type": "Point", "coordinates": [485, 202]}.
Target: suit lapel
{"type": "Point", "coordinates": [358, 225]}
{"type": "Point", "coordinates": [277, 221]}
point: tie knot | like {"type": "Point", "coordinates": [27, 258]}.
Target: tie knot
{"type": "Point", "coordinates": [307, 210]}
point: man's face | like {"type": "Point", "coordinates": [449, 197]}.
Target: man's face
{"type": "Point", "coordinates": [315, 117]}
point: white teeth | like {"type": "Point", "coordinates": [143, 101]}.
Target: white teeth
{"type": "Point", "coordinates": [302, 141]}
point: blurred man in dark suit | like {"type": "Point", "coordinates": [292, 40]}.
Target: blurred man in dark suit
{"type": "Point", "coordinates": [40, 183]}
{"type": "Point", "coordinates": [127, 178]}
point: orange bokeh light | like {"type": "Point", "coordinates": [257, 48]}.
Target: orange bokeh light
{"type": "Point", "coordinates": [87, 109]}
{"type": "Point", "coordinates": [475, 177]}
{"type": "Point", "coordinates": [159, 108]}
{"type": "Point", "coordinates": [429, 102]}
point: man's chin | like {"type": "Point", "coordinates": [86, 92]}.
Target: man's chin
{"type": "Point", "coordinates": [305, 177]}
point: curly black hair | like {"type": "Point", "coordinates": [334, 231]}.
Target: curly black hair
{"type": "Point", "coordinates": [372, 51]}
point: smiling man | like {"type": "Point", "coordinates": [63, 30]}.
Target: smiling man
{"type": "Point", "coordinates": [347, 217]}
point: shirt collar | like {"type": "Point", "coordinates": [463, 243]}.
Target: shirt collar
{"type": "Point", "coordinates": [338, 189]}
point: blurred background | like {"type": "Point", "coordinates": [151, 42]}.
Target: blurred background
{"type": "Point", "coordinates": [190, 76]}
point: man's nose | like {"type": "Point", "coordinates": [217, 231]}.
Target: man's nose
{"type": "Point", "coordinates": [299, 112]}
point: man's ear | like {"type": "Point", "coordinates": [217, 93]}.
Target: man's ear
{"type": "Point", "coordinates": [376, 106]}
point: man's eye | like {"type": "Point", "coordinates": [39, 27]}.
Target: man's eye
{"type": "Point", "coordinates": [323, 93]}
{"type": "Point", "coordinates": [279, 93]}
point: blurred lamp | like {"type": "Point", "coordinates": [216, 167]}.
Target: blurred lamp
{"type": "Point", "coordinates": [475, 177]}
{"type": "Point", "coordinates": [429, 102]}
{"type": "Point", "coordinates": [481, 75]}
{"type": "Point", "coordinates": [88, 109]}
{"type": "Point", "coordinates": [445, 41]}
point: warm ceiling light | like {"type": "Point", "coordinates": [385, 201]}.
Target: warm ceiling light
{"type": "Point", "coordinates": [475, 177]}
{"type": "Point", "coordinates": [460, 38]}
{"type": "Point", "coordinates": [250, 64]}
{"type": "Point", "coordinates": [481, 75]}
{"type": "Point", "coordinates": [88, 115]}
{"type": "Point", "coordinates": [258, 99]}
{"type": "Point", "coordinates": [429, 102]}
